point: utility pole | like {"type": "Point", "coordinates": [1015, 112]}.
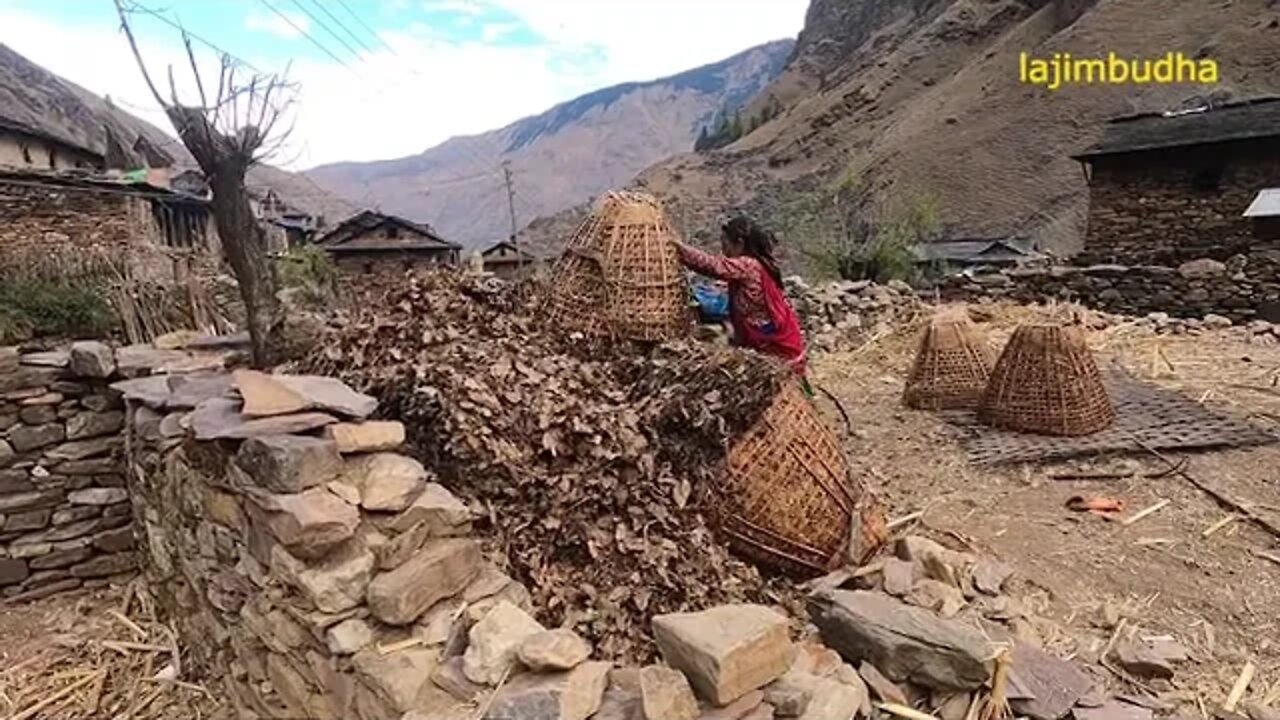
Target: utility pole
{"type": "Point", "coordinates": [511, 208]}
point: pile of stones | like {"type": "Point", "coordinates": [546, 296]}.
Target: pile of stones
{"type": "Point", "coordinates": [837, 314]}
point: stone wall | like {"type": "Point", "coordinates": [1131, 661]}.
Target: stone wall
{"type": "Point", "coordinates": [313, 572]}
{"type": "Point", "coordinates": [74, 230]}
{"type": "Point", "coordinates": [1245, 288]}
{"type": "Point", "coordinates": [1151, 212]}
{"type": "Point", "coordinates": [64, 511]}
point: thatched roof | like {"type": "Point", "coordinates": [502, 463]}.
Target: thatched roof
{"type": "Point", "coordinates": [1245, 120]}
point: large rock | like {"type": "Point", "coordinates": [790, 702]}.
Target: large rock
{"type": "Point", "coordinates": [1201, 269]}
{"type": "Point", "coordinates": [810, 697]}
{"type": "Point", "coordinates": [443, 513]}
{"type": "Point", "coordinates": [289, 463]}
{"type": "Point", "coordinates": [309, 523]}
{"type": "Point", "coordinates": [266, 395]}
{"type": "Point", "coordinates": [348, 636]}
{"type": "Point", "coordinates": [553, 650]}
{"type": "Point", "coordinates": [1042, 686]}
{"type": "Point", "coordinates": [27, 437]}
{"type": "Point", "coordinates": [905, 642]}
{"type": "Point", "coordinates": [387, 482]}
{"type": "Point", "coordinates": [665, 694]}
{"type": "Point", "coordinates": [220, 419]}
{"type": "Point", "coordinates": [726, 651]}
{"type": "Point", "coordinates": [368, 436]}
{"type": "Point", "coordinates": [441, 570]}
{"type": "Point", "coordinates": [30, 500]}
{"type": "Point", "coordinates": [133, 361]}
{"type": "Point", "coordinates": [83, 449]}
{"type": "Point", "coordinates": [90, 358]}
{"type": "Point", "coordinates": [572, 695]}
{"type": "Point", "coordinates": [399, 677]}
{"type": "Point", "coordinates": [334, 584]}
{"type": "Point", "coordinates": [13, 571]}
{"type": "Point", "coordinates": [49, 359]}
{"type": "Point", "coordinates": [494, 642]}
{"type": "Point", "coordinates": [1149, 658]}
{"type": "Point", "coordinates": [90, 424]}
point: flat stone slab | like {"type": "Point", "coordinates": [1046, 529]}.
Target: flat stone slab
{"type": "Point", "coordinates": [220, 419]}
{"type": "Point", "coordinates": [52, 359]}
{"type": "Point", "coordinates": [266, 395]}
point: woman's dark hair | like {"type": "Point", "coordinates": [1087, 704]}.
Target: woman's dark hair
{"type": "Point", "coordinates": [756, 242]}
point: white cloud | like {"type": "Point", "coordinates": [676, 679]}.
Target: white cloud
{"type": "Point", "coordinates": [430, 88]}
{"type": "Point", "coordinates": [461, 7]}
{"type": "Point", "coordinates": [292, 27]}
{"type": "Point", "coordinates": [496, 31]}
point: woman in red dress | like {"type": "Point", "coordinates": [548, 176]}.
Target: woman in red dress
{"type": "Point", "coordinates": [762, 318]}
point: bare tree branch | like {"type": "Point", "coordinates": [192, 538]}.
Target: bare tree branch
{"type": "Point", "coordinates": [133, 45]}
{"type": "Point", "coordinates": [195, 71]}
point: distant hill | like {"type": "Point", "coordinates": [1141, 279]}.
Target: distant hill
{"type": "Point", "coordinates": [559, 158]}
{"type": "Point", "coordinates": [924, 98]}
{"type": "Point", "coordinates": [39, 99]}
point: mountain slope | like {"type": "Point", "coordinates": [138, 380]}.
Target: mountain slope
{"type": "Point", "coordinates": [559, 158]}
{"type": "Point", "coordinates": [39, 99]}
{"type": "Point", "coordinates": [924, 98]}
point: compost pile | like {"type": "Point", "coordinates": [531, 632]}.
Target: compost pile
{"type": "Point", "coordinates": [593, 460]}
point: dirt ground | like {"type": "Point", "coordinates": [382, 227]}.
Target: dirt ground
{"type": "Point", "coordinates": [1214, 594]}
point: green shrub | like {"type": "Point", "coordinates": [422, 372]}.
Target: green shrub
{"type": "Point", "coordinates": [307, 267]}
{"type": "Point", "coordinates": [54, 308]}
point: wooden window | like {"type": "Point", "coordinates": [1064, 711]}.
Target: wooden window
{"type": "Point", "coordinates": [393, 232]}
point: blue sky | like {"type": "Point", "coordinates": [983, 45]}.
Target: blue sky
{"type": "Point", "coordinates": [395, 77]}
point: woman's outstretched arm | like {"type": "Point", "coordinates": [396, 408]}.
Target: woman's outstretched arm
{"type": "Point", "coordinates": [716, 266]}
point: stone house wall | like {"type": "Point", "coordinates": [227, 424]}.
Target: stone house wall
{"type": "Point", "coordinates": [71, 230]}
{"type": "Point", "coordinates": [386, 262]}
{"type": "Point", "coordinates": [1168, 207]}
{"type": "Point", "coordinates": [64, 512]}
{"type": "Point", "coordinates": [22, 150]}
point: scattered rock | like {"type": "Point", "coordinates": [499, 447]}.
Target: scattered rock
{"type": "Point", "coordinates": [397, 677]}
{"type": "Point", "coordinates": [810, 697]}
{"type": "Point", "coordinates": [989, 576]}
{"type": "Point", "coordinates": [368, 436]}
{"type": "Point", "coordinates": [349, 636]}
{"type": "Point", "coordinates": [898, 576]}
{"type": "Point", "coordinates": [726, 651]}
{"type": "Point", "coordinates": [441, 570]}
{"type": "Point", "coordinates": [91, 358]}
{"type": "Point", "coordinates": [1258, 711]}
{"type": "Point", "coordinates": [572, 695]}
{"type": "Point", "coordinates": [388, 482]}
{"type": "Point", "coordinates": [1216, 322]}
{"type": "Point", "coordinates": [552, 650]}
{"type": "Point", "coordinates": [1113, 710]}
{"type": "Point", "coordinates": [665, 694]}
{"type": "Point", "coordinates": [97, 496]}
{"type": "Point", "coordinates": [739, 709]}
{"type": "Point", "coordinates": [494, 641]}
{"type": "Point", "coordinates": [1153, 658]}
{"type": "Point", "coordinates": [944, 599]}
{"type": "Point", "coordinates": [1042, 686]}
{"type": "Point", "coordinates": [289, 463]}
{"type": "Point", "coordinates": [906, 643]}
{"type": "Point", "coordinates": [309, 523]}
{"type": "Point", "coordinates": [881, 686]}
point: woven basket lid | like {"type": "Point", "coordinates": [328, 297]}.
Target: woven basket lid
{"type": "Point", "coordinates": [1047, 382]}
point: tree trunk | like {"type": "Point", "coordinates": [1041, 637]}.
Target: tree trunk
{"type": "Point", "coordinates": [245, 246]}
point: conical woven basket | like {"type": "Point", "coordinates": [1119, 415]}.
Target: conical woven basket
{"type": "Point", "coordinates": [1047, 382]}
{"type": "Point", "coordinates": [789, 503]}
{"type": "Point", "coordinates": [620, 275]}
{"type": "Point", "coordinates": [951, 366]}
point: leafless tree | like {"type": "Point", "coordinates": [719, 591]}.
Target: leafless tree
{"type": "Point", "coordinates": [227, 133]}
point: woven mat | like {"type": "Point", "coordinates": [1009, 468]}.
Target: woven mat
{"type": "Point", "coordinates": [1163, 419]}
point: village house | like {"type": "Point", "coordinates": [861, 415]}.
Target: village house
{"type": "Point", "coordinates": [1167, 188]}
{"type": "Point", "coordinates": [28, 147]}
{"type": "Point", "coordinates": [960, 254]}
{"type": "Point", "coordinates": [1264, 213]}
{"type": "Point", "coordinates": [505, 260]}
{"type": "Point", "coordinates": [80, 222]}
{"type": "Point", "coordinates": [370, 242]}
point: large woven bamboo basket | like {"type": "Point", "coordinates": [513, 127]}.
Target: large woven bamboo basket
{"type": "Point", "coordinates": [789, 503]}
{"type": "Point", "coordinates": [620, 274]}
{"type": "Point", "coordinates": [1046, 382]}
{"type": "Point", "coordinates": [951, 367]}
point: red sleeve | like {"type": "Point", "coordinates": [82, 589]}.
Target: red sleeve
{"type": "Point", "coordinates": [739, 269]}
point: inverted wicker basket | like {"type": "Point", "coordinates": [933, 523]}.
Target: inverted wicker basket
{"type": "Point", "coordinates": [620, 274]}
{"type": "Point", "coordinates": [1047, 382]}
{"type": "Point", "coordinates": [951, 367]}
{"type": "Point", "coordinates": [789, 503]}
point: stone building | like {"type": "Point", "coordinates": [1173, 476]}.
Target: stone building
{"type": "Point", "coordinates": [67, 224]}
{"type": "Point", "coordinates": [1167, 188]}
{"type": "Point", "coordinates": [505, 260]}
{"type": "Point", "coordinates": [370, 242]}
{"type": "Point", "coordinates": [24, 146]}
{"type": "Point", "coordinates": [1264, 213]}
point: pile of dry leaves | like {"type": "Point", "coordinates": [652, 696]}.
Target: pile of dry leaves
{"type": "Point", "coordinates": [592, 458]}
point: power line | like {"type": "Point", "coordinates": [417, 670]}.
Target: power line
{"type": "Point", "coordinates": [342, 25]}
{"type": "Point", "coordinates": [308, 36]}
{"type": "Point", "coordinates": [368, 29]}
{"type": "Point", "coordinates": [135, 7]}
{"type": "Point", "coordinates": [325, 27]}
